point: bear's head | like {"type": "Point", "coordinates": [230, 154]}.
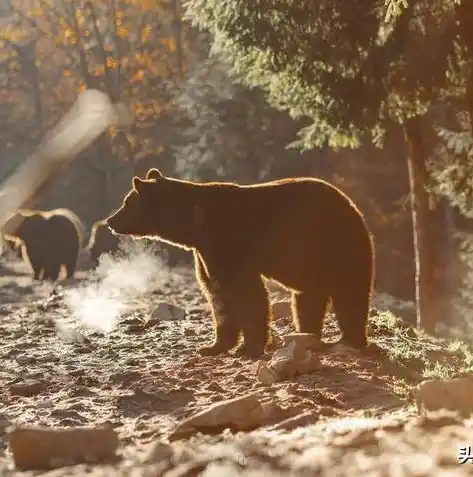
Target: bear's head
{"type": "Point", "coordinates": [26, 225]}
{"type": "Point", "coordinates": [161, 208]}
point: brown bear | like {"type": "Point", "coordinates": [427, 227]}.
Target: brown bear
{"type": "Point", "coordinates": [50, 239]}
{"type": "Point", "coordinates": [101, 240]}
{"type": "Point", "coordinates": [302, 232]}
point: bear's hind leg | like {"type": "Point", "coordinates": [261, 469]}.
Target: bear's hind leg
{"type": "Point", "coordinates": [308, 310]}
{"type": "Point", "coordinates": [351, 305]}
{"type": "Point", "coordinates": [70, 268]}
{"type": "Point", "coordinates": [51, 272]}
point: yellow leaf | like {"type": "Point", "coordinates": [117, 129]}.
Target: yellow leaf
{"type": "Point", "coordinates": [67, 73]}
{"type": "Point", "coordinates": [69, 33]}
{"type": "Point", "coordinates": [36, 12]}
{"type": "Point", "coordinates": [131, 139]}
{"type": "Point", "coordinates": [82, 87]}
{"type": "Point", "coordinates": [99, 70]}
{"type": "Point", "coordinates": [146, 33]}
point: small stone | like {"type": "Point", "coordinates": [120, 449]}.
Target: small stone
{"type": "Point", "coordinates": [46, 404]}
{"type": "Point", "coordinates": [167, 312]}
{"type": "Point", "coordinates": [27, 388]}
{"type": "Point", "coordinates": [266, 375]}
{"type": "Point", "coordinates": [25, 359]}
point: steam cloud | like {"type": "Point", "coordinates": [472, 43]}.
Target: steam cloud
{"type": "Point", "coordinates": [100, 305]}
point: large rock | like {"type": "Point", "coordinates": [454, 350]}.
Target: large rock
{"type": "Point", "coordinates": [48, 448]}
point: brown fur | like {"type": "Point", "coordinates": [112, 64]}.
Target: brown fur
{"type": "Point", "coordinates": [101, 240]}
{"type": "Point", "coordinates": [302, 232]}
{"type": "Point", "coordinates": [50, 239]}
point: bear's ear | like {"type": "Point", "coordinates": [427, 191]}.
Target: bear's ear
{"type": "Point", "coordinates": [138, 184]}
{"type": "Point", "coordinates": [154, 174]}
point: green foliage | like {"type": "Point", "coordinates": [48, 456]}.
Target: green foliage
{"type": "Point", "coordinates": [394, 8]}
{"type": "Point", "coordinates": [452, 172]}
{"type": "Point", "coordinates": [342, 64]}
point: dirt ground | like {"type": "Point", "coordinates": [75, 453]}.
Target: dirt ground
{"type": "Point", "coordinates": [349, 418]}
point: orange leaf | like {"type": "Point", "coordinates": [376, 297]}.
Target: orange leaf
{"type": "Point", "coordinates": [148, 4]}
{"type": "Point", "coordinates": [111, 62]}
{"type": "Point", "coordinates": [170, 43]}
{"type": "Point", "coordinates": [122, 32]}
{"type": "Point", "coordinates": [138, 76]}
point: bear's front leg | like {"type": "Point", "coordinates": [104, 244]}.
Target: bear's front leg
{"type": "Point", "coordinates": [226, 327]}
{"type": "Point", "coordinates": [252, 308]}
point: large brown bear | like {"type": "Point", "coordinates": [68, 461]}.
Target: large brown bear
{"type": "Point", "coordinates": [50, 239]}
{"type": "Point", "coordinates": [302, 232]}
{"type": "Point", "coordinates": [101, 240]}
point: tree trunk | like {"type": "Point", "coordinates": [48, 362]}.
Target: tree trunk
{"type": "Point", "coordinates": [178, 36]}
{"type": "Point", "coordinates": [431, 237]}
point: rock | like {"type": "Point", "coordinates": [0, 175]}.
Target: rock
{"type": "Point", "coordinates": [304, 340]}
{"type": "Point", "coordinates": [24, 359]}
{"type": "Point", "coordinates": [241, 413]}
{"type": "Point", "coordinates": [305, 418]}
{"type": "Point", "coordinates": [29, 387]}
{"type": "Point", "coordinates": [296, 357]}
{"type": "Point", "coordinates": [48, 448]}
{"type": "Point", "coordinates": [281, 309]}
{"type": "Point", "coordinates": [266, 375]}
{"type": "Point", "coordinates": [157, 452]}
{"type": "Point", "coordinates": [454, 394]}
{"type": "Point", "coordinates": [46, 404]}
{"type": "Point", "coordinates": [4, 423]}
{"type": "Point", "coordinates": [167, 312]}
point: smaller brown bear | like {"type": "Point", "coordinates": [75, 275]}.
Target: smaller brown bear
{"type": "Point", "coordinates": [302, 232]}
{"type": "Point", "coordinates": [101, 241]}
{"type": "Point", "coordinates": [50, 239]}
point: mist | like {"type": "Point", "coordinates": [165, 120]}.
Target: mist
{"type": "Point", "coordinates": [121, 279]}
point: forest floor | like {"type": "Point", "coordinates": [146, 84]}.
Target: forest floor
{"type": "Point", "coordinates": [352, 416]}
